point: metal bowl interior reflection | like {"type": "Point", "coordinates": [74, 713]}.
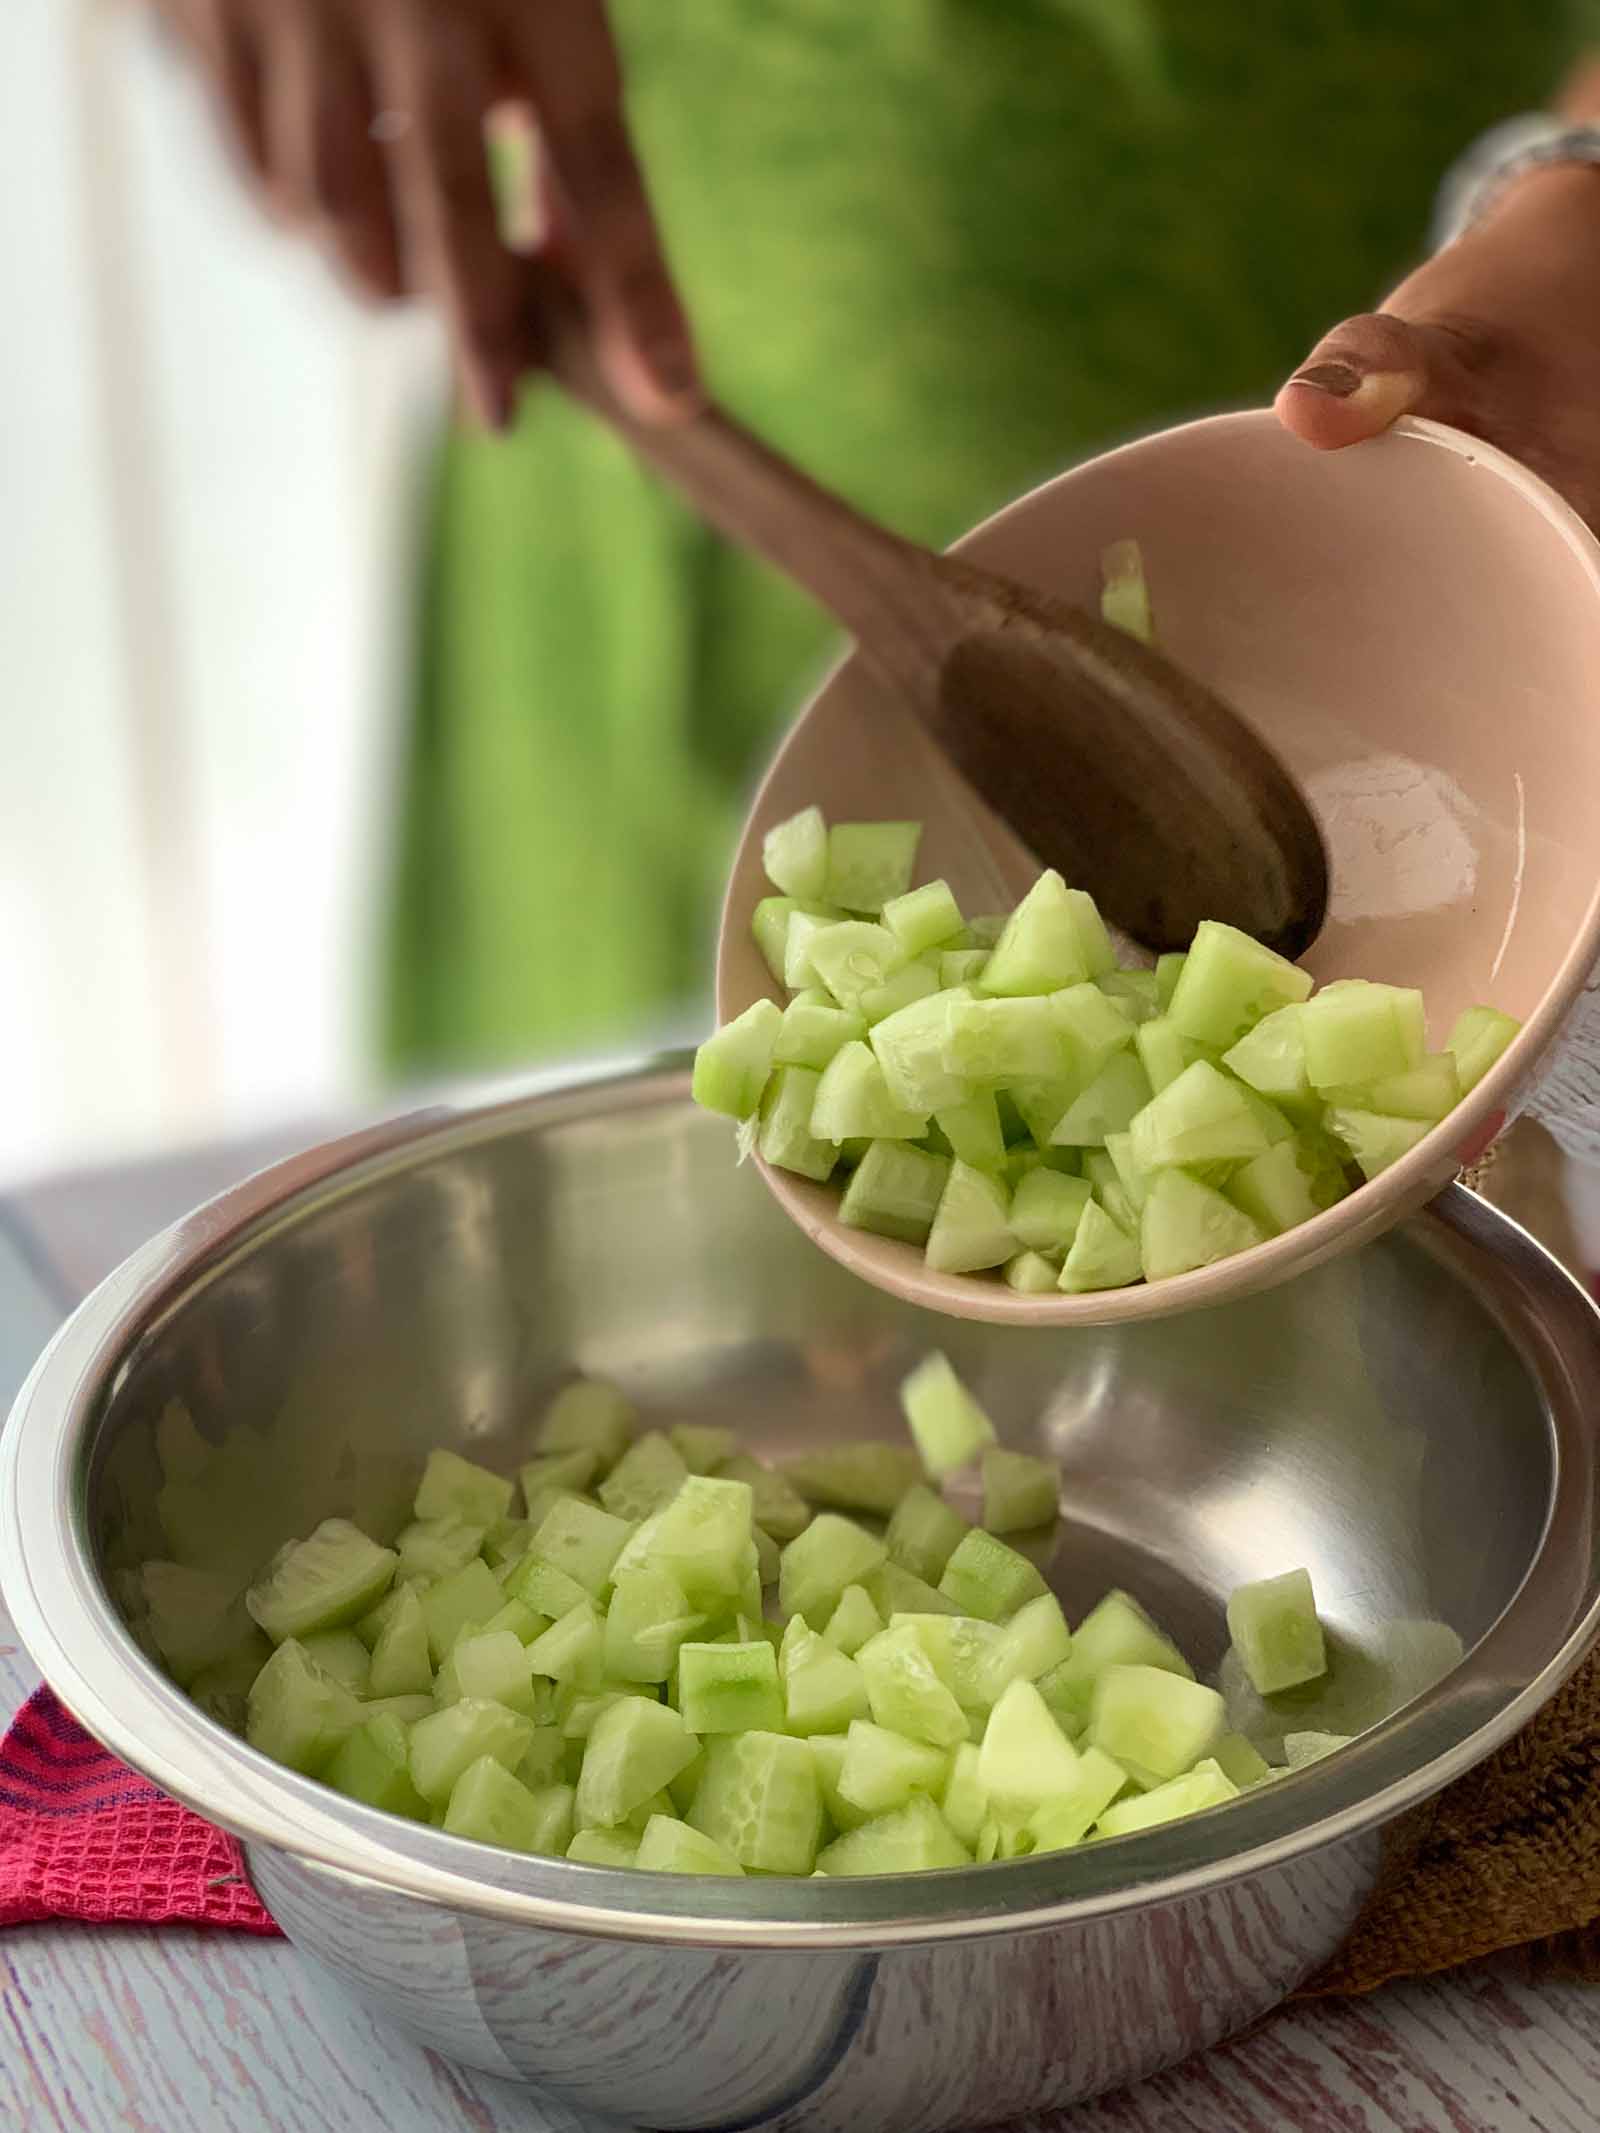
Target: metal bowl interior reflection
{"type": "Point", "coordinates": [1408, 1422]}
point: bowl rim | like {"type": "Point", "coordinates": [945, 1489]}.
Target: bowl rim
{"type": "Point", "coordinates": [66, 1619]}
{"type": "Point", "coordinates": [1457, 1139]}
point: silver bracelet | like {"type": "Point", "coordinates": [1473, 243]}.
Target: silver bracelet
{"type": "Point", "coordinates": [1509, 151]}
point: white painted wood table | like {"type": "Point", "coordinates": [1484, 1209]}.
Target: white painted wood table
{"type": "Point", "coordinates": [125, 2031]}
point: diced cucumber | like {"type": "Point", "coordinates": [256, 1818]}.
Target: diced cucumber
{"type": "Point", "coordinates": [1105, 1180]}
{"type": "Point", "coordinates": [894, 1192]}
{"type": "Point", "coordinates": [1239, 1761]}
{"type": "Point", "coordinates": [1301, 1749]}
{"type": "Point", "coordinates": [1024, 1758]}
{"type": "Point", "coordinates": [1111, 1102]}
{"type": "Point", "coordinates": [453, 1487]}
{"type": "Point", "coordinates": [924, 918]}
{"type": "Point", "coordinates": [760, 1800]}
{"type": "Point", "coordinates": [1361, 1032]}
{"type": "Point", "coordinates": [1042, 946]}
{"type": "Point", "coordinates": [910, 1047]}
{"type": "Point", "coordinates": [330, 1579]}
{"type": "Point", "coordinates": [1273, 1188]}
{"type": "Point", "coordinates": [911, 1839]}
{"type": "Point", "coordinates": [853, 1620]}
{"type": "Point", "coordinates": [812, 1031]}
{"type": "Point", "coordinates": [852, 1101]}
{"type": "Point", "coordinates": [1067, 1817]}
{"type": "Point", "coordinates": [543, 1758]}
{"type": "Point", "coordinates": [1476, 1040]}
{"type": "Point", "coordinates": [960, 968]}
{"type": "Point", "coordinates": [970, 1227]}
{"type": "Point", "coordinates": [1271, 1058]}
{"type": "Point", "coordinates": [669, 1846]}
{"type": "Point", "coordinates": [1429, 1091]}
{"type": "Point", "coordinates": [1092, 1027]}
{"type": "Point", "coordinates": [702, 1537]}
{"type": "Point", "coordinates": [867, 1476]}
{"type": "Point", "coordinates": [444, 1745]}
{"type": "Point", "coordinates": [775, 1503]}
{"type": "Point", "coordinates": [580, 1710]}
{"type": "Point", "coordinates": [964, 1652]}
{"type": "Point", "coordinates": [794, 854]}
{"type": "Point", "coordinates": [1115, 1632]}
{"type": "Point", "coordinates": [823, 1690]}
{"type": "Point", "coordinates": [572, 1649]}
{"type": "Point", "coordinates": [1019, 1491]}
{"type": "Point", "coordinates": [341, 1653]}
{"type": "Point", "coordinates": [635, 1749]}
{"type": "Point", "coordinates": [870, 863]}
{"type": "Point", "coordinates": [1275, 1631]}
{"type": "Point", "coordinates": [798, 973]}
{"type": "Point", "coordinates": [1169, 968]}
{"type": "Point", "coordinates": [1164, 1052]}
{"type": "Point", "coordinates": [973, 1130]}
{"type": "Point", "coordinates": [703, 1446]}
{"type": "Point", "coordinates": [1032, 1274]}
{"type": "Point", "coordinates": [603, 1847]}
{"type": "Point", "coordinates": [987, 1579]}
{"type": "Point", "coordinates": [905, 1692]}
{"type": "Point", "coordinates": [946, 1423]}
{"type": "Point", "coordinates": [990, 1042]}
{"type": "Point", "coordinates": [491, 1664]}
{"type": "Point", "coordinates": [1228, 983]}
{"type": "Point", "coordinates": [1204, 1786]}
{"type": "Point", "coordinates": [296, 1713]}
{"type": "Point", "coordinates": [1202, 1117]}
{"type": "Point", "coordinates": [894, 1590]}
{"type": "Point", "coordinates": [731, 1067]}
{"type": "Point", "coordinates": [582, 1542]}
{"type": "Point", "coordinates": [1124, 594]}
{"type": "Point", "coordinates": [924, 1533]}
{"type": "Point", "coordinates": [1103, 1255]}
{"type": "Point", "coordinates": [1046, 1209]}
{"type": "Point", "coordinates": [572, 1471]}
{"type": "Point", "coordinates": [1031, 1645]}
{"type": "Point", "coordinates": [649, 1474]}
{"type": "Point", "coordinates": [491, 1806]}
{"type": "Point", "coordinates": [730, 1688]}
{"type": "Point", "coordinates": [908, 985]}
{"type": "Point", "coordinates": [1133, 992]}
{"type": "Point", "coordinates": [223, 1691]}
{"type": "Point", "coordinates": [769, 925]}
{"type": "Point", "coordinates": [1186, 1225]}
{"type": "Point", "coordinates": [832, 1553]}
{"type": "Point", "coordinates": [1154, 1723]}
{"type": "Point", "coordinates": [1375, 1142]}
{"type": "Point", "coordinates": [589, 1415]}
{"type": "Point", "coordinates": [1131, 1177]}
{"type": "Point", "coordinates": [469, 1595]}
{"type": "Point", "coordinates": [507, 1541]}
{"type": "Point", "coordinates": [785, 1138]}
{"type": "Point", "coordinates": [373, 1765]}
{"type": "Point", "coordinates": [965, 1804]}
{"type": "Point", "coordinates": [882, 1770]}
{"type": "Point", "coordinates": [544, 1590]}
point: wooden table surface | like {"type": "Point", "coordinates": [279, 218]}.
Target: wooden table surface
{"type": "Point", "coordinates": [123, 2031]}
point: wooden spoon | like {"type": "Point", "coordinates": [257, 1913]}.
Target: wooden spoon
{"type": "Point", "coordinates": [1106, 760]}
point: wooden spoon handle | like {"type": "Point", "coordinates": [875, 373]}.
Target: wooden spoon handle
{"type": "Point", "coordinates": [887, 592]}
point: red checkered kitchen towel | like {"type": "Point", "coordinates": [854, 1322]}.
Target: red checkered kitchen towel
{"type": "Point", "coordinates": [84, 1837]}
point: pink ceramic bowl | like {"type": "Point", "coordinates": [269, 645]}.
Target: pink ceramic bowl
{"type": "Point", "coordinates": [1414, 625]}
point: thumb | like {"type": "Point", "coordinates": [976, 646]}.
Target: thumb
{"type": "Point", "coordinates": [1359, 379]}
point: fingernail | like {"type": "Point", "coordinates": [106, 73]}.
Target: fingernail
{"type": "Point", "coordinates": [1338, 379]}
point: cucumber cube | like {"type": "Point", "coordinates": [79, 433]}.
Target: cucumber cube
{"type": "Point", "coordinates": [702, 1537]}
{"type": "Point", "coordinates": [1155, 1723]}
{"type": "Point", "coordinates": [603, 1847]}
{"type": "Point", "coordinates": [635, 1749]}
{"type": "Point", "coordinates": [924, 1533]}
{"type": "Point", "coordinates": [1046, 1209]}
{"type": "Point", "coordinates": [1133, 993]}
{"type": "Point", "coordinates": [794, 854]}
{"type": "Point", "coordinates": [1271, 1058]}
{"type": "Point", "coordinates": [852, 1621]}
{"type": "Point", "coordinates": [543, 1758]}
{"type": "Point", "coordinates": [869, 1476]}
{"type": "Point", "coordinates": [911, 983]}
{"type": "Point", "coordinates": [895, 1590]}
{"type": "Point", "coordinates": [1019, 1491]}
{"type": "Point", "coordinates": [1042, 947]}
{"type": "Point", "coordinates": [373, 1765]}
{"type": "Point", "coordinates": [572, 1472]}
{"type": "Point", "coordinates": [1024, 1758]}
{"type": "Point", "coordinates": [1116, 1632]}
{"type": "Point", "coordinates": [987, 1579]}
{"type": "Point", "coordinates": [946, 1422]}
{"type": "Point", "coordinates": [1164, 1052]}
{"type": "Point", "coordinates": [973, 1131]}
{"type": "Point", "coordinates": [853, 957]}
{"type": "Point", "coordinates": [760, 1800]}
{"type": "Point", "coordinates": [1092, 1026]}
{"type": "Point", "coordinates": [1031, 1274]}
{"type": "Point", "coordinates": [1274, 1627]}
{"type": "Point", "coordinates": [769, 925]}
{"type": "Point", "coordinates": [1103, 1255]}
{"type": "Point", "coordinates": [323, 1582]}
{"type": "Point", "coordinates": [1301, 1749]}
{"type": "Point", "coordinates": [1431, 1090]}
{"type": "Point", "coordinates": [491, 1806]}
{"type": "Point", "coordinates": [870, 863]}
{"type": "Point", "coordinates": [444, 1745]}
{"type": "Point", "coordinates": [647, 1476]}
{"type": "Point", "coordinates": [1111, 1102]}
{"type": "Point", "coordinates": [493, 1665]}
{"type": "Point", "coordinates": [1240, 1762]}
{"type": "Point", "coordinates": [962, 966]}
{"type": "Point", "coordinates": [545, 1591]}
{"type": "Point", "coordinates": [1169, 968]}
{"type": "Point", "coordinates": [1274, 1189]}
{"type": "Point", "coordinates": [853, 1102]}
{"type": "Point", "coordinates": [1123, 1206]}
{"type": "Point", "coordinates": [812, 1030]}
{"type": "Point", "coordinates": [1124, 594]}
{"type": "Point", "coordinates": [895, 1192]}
{"type": "Point", "coordinates": [1186, 1225]}
{"type": "Point", "coordinates": [1359, 1032]}
{"type": "Point", "coordinates": [911, 1839]}
{"type": "Point", "coordinates": [924, 918]}
{"type": "Point", "coordinates": [731, 1067]}
{"type": "Point", "coordinates": [703, 1446]}
{"type": "Point", "coordinates": [589, 1415]}
{"type": "Point", "coordinates": [669, 1846]}
{"type": "Point", "coordinates": [905, 1692]}
{"type": "Point", "coordinates": [775, 1504]}
{"type": "Point", "coordinates": [1202, 1117]}
{"type": "Point", "coordinates": [1228, 983]}
{"type": "Point", "coordinates": [817, 1566]}
{"type": "Point", "coordinates": [1476, 1041]}
{"type": "Point", "coordinates": [785, 1139]}
{"type": "Point", "coordinates": [449, 1605]}
{"type": "Point", "coordinates": [571, 1650]}
{"type": "Point", "coordinates": [989, 1042]}
{"type": "Point", "coordinates": [453, 1487]}
{"type": "Point", "coordinates": [507, 1541]}
{"type": "Point", "coordinates": [730, 1688]}
{"type": "Point", "coordinates": [798, 973]}
{"type": "Point", "coordinates": [1204, 1786]}
{"type": "Point", "coordinates": [1066, 1818]}
{"type": "Point", "coordinates": [296, 1713]}
{"type": "Point", "coordinates": [970, 1227]}
{"type": "Point", "coordinates": [965, 1804]}
{"type": "Point", "coordinates": [823, 1690]}
{"type": "Point", "coordinates": [827, 1754]}
{"type": "Point", "coordinates": [1375, 1142]}
{"type": "Point", "coordinates": [883, 1770]}
{"type": "Point", "coordinates": [965, 1653]}
{"type": "Point", "coordinates": [582, 1542]}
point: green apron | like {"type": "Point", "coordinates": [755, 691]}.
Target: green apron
{"type": "Point", "coordinates": [936, 250]}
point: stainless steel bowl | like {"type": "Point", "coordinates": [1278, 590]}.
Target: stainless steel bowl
{"type": "Point", "coordinates": [1411, 1422]}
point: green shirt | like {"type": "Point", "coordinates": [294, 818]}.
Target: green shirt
{"type": "Point", "coordinates": [936, 250]}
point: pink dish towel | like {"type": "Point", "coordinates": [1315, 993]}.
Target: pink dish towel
{"type": "Point", "coordinates": [84, 1837]}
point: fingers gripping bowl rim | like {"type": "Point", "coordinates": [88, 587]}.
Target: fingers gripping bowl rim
{"type": "Point", "coordinates": [1419, 609]}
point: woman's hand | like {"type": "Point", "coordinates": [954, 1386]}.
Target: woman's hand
{"type": "Point", "coordinates": [363, 121]}
{"type": "Point", "coordinates": [1499, 334]}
